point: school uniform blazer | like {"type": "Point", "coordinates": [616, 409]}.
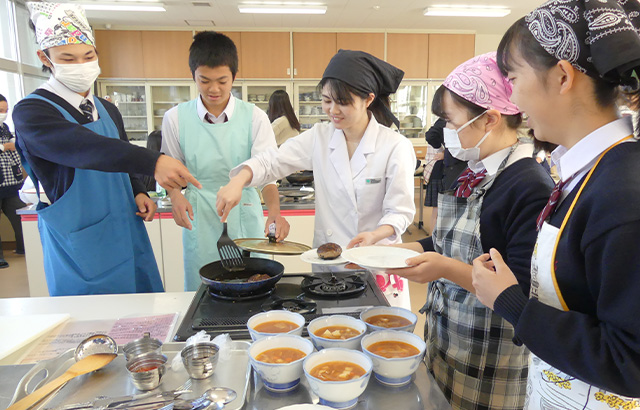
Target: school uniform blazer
{"type": "Point", "coordinates": [374, 188]}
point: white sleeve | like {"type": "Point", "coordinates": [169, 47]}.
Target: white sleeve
{"type": "Point", "coordinates": [171, 135]}
{"type": "Point", "coordinates": [294, 155]}
{"type": "Point", "coordinates": [398, 204]}
{"type": "Point", "coordinates": [262, 137]}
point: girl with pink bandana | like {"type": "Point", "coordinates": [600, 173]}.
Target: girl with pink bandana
{"type": "Point", "coordinates": [494, 204]}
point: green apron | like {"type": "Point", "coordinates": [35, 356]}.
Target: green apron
{"type": "Point", "coordinates": [211, 151]}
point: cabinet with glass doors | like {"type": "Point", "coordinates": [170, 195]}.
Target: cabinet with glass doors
{"type": "Point", "coordinates": [308, 104]}
{"type": "Point", "coordinates": [130, 98]}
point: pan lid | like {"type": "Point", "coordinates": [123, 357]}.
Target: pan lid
{"type": "Point", "coordinates": [262, 245]}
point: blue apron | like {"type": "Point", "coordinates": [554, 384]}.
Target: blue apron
{"type": "Point", "coordinates": [92, 240]}
{"type": "Point", "coordinates": [211, 151]}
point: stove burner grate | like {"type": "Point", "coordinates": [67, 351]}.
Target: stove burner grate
{"type": "Point", "coordinates": [239, 298]}
{"type": "Point", "coordinates": [333, 286]}
{"type": "Point", "coordinates": [296, 305]}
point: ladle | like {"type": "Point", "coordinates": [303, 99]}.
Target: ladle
{"type": "Point", "coordinates": [83, 366]}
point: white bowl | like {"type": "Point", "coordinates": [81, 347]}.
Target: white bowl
{"type": "Point", "coordinates": [339, 395]}
{"type": "Point", "coordinates": [394, 371]}
{"type": "Point", "coordinates": [273, 315]}
{"type": "Point", "coordinates": [388, 310]}
{"type": "Point", "coordinates": [336, 320]}
{"type": "Point", "coordinates": [279, 377]}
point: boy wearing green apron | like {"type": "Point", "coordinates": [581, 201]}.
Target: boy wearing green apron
{"type": "Point", "coordinates": [211, 135]}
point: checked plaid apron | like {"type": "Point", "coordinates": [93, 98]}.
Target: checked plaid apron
{"type": "Point", "coordinates": [470, 351]}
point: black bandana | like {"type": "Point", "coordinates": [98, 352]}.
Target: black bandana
{"type": "Point", "coordinates": [598, 37]}
{"type": "Point", "coordinates": [367, 74]}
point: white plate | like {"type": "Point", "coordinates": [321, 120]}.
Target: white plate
{"type": "Point", "coordinates": [305, 407]}
{"type": "Point", "coordinates": [379, 257]}
{"type": "Point", "coordinates": [311, 256]}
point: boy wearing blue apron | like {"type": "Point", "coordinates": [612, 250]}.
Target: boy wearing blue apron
{"type": "Point", "coordinates": [211, 135]}
{"type": "Point", "coordinates": [93, 237]}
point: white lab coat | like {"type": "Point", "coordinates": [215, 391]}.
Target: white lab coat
{"type": "Point", "coordinates": [374, 188]}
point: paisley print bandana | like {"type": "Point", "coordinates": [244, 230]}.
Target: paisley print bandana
{"type": "Point", "coordinates": [479, 81]}
{"type": "Point", "coordinates": [59, 24]}
{"type": "Point", "coordinates": [598, 37]}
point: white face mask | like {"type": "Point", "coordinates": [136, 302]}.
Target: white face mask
{"type": "Point", "coordinates": [3, 117]}
{"type": "Point", "coordinates": [77, 77]}
{"type": "Point", "coordinates": [453, 144]}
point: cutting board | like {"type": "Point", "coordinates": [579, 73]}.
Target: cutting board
{"type": "Point", "coordinates": [19, 331]}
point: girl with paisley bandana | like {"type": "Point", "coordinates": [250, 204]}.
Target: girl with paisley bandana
{"type": "Point", "coordinates": [568, 60]}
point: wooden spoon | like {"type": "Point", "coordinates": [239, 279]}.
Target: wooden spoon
{"type": "Point", "coordinates": [84, 366]}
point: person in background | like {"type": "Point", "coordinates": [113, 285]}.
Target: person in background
{"type": "Point", "coordinates": [11, 180]}
{"type": "Point", "coordinates": [363, 171]}
{"type": "Point", "coordinates": [495, 203]}
{"type": "Point", "coordinates": [283, 120]}
{"type": "Point", "coordinates": [445, 172]}
{"type": "Point", "coordinates": [74, 143]}
{"type": "Point", "coordinates": [154, 143]}
{"type": "Point", "coordinates": [580, 320]}
{"type": "Point", "coordinates": [211, 135]}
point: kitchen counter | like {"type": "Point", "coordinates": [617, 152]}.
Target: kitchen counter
{"type": "Point", "coordinates": [422, 393]}
{"type": "Point", "coordinates": [166, 240]}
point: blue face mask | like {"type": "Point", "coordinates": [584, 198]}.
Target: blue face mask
{"type": "Point", "coordinates": [453, 144]}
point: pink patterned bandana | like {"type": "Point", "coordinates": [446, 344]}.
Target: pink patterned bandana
{"type": "Point", "coordinates": [479, 81]}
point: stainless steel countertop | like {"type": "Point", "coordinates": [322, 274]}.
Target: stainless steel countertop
{"type": "Point", "coordinates": [421, 394]}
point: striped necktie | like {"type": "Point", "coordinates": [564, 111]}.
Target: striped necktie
{"type": "Point", "coordinates": [552, 203]}
{"type": "Point", "coordinates": [208, 119]}
{"type": "Point", "coordinates": [467, 181]}
{"type": "Point", "coordinates": [87, 109]}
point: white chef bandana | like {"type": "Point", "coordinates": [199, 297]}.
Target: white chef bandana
{"type": "Point", "coordinates": [59, 24]}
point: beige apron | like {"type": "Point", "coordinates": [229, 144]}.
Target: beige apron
{"type": "Point", "coordinates": [548, 387]}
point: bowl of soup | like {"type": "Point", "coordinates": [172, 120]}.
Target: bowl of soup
{"type": "Point", "coordinates": [275, 322]}
{"type": "Point", "coordinates": [395, 355]}
{"type": "Point", "coordinates": [336, 331]}
{"type": "Point", "coordinates": [338, 376]}
{"type": "Point", "coordinates": [387, 317]}
{"type": "Point", "coordinates": [278, 360]}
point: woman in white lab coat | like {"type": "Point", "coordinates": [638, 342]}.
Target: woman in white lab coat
{"type": "Point", "coordinates": [363, 171]}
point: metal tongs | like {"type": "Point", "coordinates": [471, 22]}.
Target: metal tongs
{"type": "Point", "coordinates": [137, 402]}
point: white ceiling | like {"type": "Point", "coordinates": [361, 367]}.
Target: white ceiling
{"type": "Point", "coordinates": [341, 15]}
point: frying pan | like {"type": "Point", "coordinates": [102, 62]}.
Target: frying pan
{"type": "Point", "coordinates": [220, 280]}
{"type": "Point", "coordinates": [301, 177]}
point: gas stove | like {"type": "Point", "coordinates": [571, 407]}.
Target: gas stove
{"type": "Point", "coordinates": [312, 295]}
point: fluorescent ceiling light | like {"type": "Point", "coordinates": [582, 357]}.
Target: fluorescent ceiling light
{"type": "Point", "coordinates": [282, 9]}
{"type": "Point", "coordinates": [147, 6]}
{"type": "Point", "coordinates": [467, 11]}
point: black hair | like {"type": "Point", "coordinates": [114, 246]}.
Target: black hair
{"type": "Point", "coordinates": [473, 110]}
{"type": "Point", "coordinates": [213, 49]}
{"type": "Point", "coordinates": [154, 141]}
{"type": "Point", "coordinates": [342, 93]}
{"type": "Point", "coordinates": [518, 37]}
{"type": "Point", "coordinates": [279, 105]}
{"type": "Point", "coordinates": [2, 98]}
{"type": "Point", "coordinates": [45, 69]}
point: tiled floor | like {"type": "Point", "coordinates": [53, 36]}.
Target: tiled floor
{"type": "Point", "coordinates": [13, 280]}
{"type": "Point", "coordinates": [14, 283]}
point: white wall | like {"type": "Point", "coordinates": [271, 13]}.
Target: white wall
{"type": "Point", "coordinates": [487, 42]}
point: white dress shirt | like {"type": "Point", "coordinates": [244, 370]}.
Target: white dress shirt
{"type": "Point", "coordinates": [261, 132]}
{"type": "Point", "coordinates": [578, 160]}
{"type": "Point", "coordinates": [493, 161]}
{"type": "Point", "coordinates": [69, 96]}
